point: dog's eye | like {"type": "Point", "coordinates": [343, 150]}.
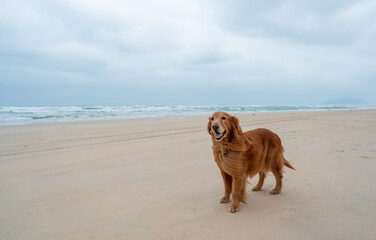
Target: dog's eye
{"type": "Point", "coordinates": [224, 118]}
{"type": "Point", "coordinates": [212, 119]}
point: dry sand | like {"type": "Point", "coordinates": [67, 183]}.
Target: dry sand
{"type": "Point", "coordinates": [156, 179]}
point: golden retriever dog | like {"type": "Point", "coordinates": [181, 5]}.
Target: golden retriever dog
{"type": "Point", "coordinates": [241, 154]}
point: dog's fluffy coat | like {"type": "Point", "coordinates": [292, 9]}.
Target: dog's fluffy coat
{"type": "Point", "coordinates": [239, 155]}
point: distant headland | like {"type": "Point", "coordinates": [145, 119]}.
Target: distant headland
{"type": "Point", "coordinates": [345, 101]}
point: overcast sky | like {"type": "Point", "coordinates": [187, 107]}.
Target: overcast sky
{"type": "Point", "coordinates": [85, 52]}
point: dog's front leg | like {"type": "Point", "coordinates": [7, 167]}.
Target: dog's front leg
{"type": "Point", "coordinates": [227, 180]}
{"type": "Point", "coordinates": [238, 193]}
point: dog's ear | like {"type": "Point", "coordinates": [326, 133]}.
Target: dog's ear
{"type": "Point", "coordinates": [209, 127]}
{"type": "Point", "coordinates": [235, 125]}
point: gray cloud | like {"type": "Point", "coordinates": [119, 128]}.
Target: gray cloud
{"type": "Point", "coordinates": [169, 52]}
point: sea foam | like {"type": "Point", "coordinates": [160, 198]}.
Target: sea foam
{"type": "Point", "coordinates": [30, 115]}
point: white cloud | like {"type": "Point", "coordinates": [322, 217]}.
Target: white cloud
{"type": "Point", "coordinates": [359, 11]}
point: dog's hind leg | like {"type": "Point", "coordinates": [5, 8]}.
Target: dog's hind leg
{"type": "Point", "coordinates": [260, 182]}
{"type": "Point", "coordinates": [277, 171]}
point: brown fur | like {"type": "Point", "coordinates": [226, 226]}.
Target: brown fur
{"type": "Point", "coordinates": [239, 155]}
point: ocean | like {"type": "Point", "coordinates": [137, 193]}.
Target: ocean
{"type": "Point", "coordinates": [32, 115]}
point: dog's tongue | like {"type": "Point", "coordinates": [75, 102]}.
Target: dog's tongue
{"type": "Point", "coordinates": [218, 135]}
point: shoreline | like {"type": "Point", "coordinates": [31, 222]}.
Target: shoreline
{"type": "Point", "coordinates": [180, 116]}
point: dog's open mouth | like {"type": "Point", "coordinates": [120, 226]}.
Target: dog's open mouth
{"type": "Point", "coordinates": [219, 136]}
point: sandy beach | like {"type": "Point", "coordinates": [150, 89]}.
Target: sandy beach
{"type": "Point", "coordinates": [156, 179]}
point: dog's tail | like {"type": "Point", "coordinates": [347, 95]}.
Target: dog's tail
{"type": "Point", "coordinates": [287, 164]}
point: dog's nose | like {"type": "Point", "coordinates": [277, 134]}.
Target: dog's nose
{"type": "Point", "coordinates": [215, 127]}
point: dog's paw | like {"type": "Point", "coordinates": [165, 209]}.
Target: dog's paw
{"type": "Point", "coordinates": [256, 188]}
{"type": "Point", "coordinates": [224, 200]}
{"type": "Point", "coordinates": [233, 209]}
{"type": "Point", "coordinates": [275, 191]}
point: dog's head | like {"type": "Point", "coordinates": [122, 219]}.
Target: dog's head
{"type": "Point", "coordinates": [223, 126]}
